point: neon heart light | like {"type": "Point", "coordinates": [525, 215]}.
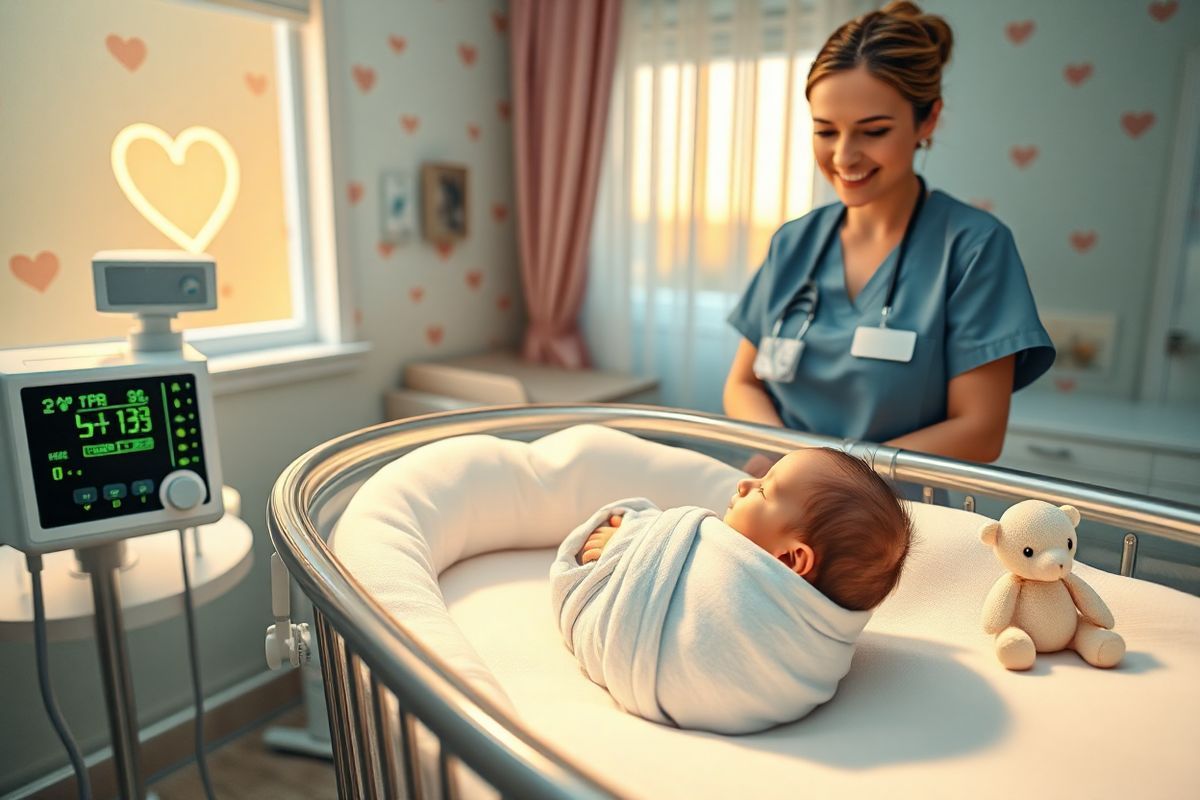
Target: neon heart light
{"type": "Point", "coordinates": [177, 151]}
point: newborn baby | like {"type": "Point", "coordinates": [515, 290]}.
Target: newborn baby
{"type": "Point", "coordinates": [825, 515]}
{"type": "Point", "coordinates": [737, 624]}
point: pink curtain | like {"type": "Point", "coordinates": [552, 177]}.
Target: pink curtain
{"type": "Point", "coordinates": [563, 54]}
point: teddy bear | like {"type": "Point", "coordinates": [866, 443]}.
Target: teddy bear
{"type": "Point", "coordinates": [1039, 606]}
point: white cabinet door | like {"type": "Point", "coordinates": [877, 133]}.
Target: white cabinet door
{"type": "Point", "coordinates": [1102, 464]}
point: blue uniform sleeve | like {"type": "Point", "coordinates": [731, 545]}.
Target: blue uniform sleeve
{"type": "Point", "coordinates": [990, 313]}
{"type": "Point", "coordinates": [751, 310]}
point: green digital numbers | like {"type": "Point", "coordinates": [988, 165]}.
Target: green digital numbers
{"type": "Point", "coordinates": [84, 425]}
{"type": "Point", "coordinates": [136, 397]}
{"type": "Point", "coordinates": [50, 404]}
{"type": "Point", "coordinates": [134, 420]}
{"type": "Point", "coordinates": [56, 473]}
{"type": "Point", "coordinates": [91, 427]}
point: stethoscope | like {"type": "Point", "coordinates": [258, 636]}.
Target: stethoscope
{"type": "Point", "coordinates": [806, 297]}
{"type": "Point", "coordinates": [805, 300]}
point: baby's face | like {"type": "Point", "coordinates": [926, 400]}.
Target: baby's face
{"type": "Point", "coordinates": [767, 510]}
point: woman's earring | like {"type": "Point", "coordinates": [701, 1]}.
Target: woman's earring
{"type": "Point", "coordinates": [925, 144]}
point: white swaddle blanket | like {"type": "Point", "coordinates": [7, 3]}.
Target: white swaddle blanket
{"type": "Point", "coordinates": [687, 622]}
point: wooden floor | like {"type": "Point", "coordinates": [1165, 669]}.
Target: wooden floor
{"type": "Point", "coordinates": [245, 768]}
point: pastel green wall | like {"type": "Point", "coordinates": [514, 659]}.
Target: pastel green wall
{"type": "Point", "coordinates": [1008, 88]}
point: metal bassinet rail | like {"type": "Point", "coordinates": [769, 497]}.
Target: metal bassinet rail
{"type": "Point", "coordinates": [380, 681]}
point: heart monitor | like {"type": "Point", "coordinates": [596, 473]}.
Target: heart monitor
{"type": "Point", "coordinates": [101, 442]}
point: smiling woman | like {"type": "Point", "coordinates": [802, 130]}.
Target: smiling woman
{"type": "Point", "coordinates": [168, 143]}
{"type": "Point", "coordinates": [897, 315]}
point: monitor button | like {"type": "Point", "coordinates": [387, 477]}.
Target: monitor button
{"type": "Point", "coordinates": [114, 491]}
{"type": "Point", "coordinates": [142, 488]}
{"type": "Point", "coordinates": [183, 490]}
{"type": "Point", "coordinates": [86, 495]}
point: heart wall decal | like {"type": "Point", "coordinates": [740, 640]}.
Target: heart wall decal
{"type": "Point", "coordinates": [1137, 124]}
{"type": "Point", "coordinates": [364, 77]}
{"type": "Point", "coordinates": [257, 83]}
{"type": "Point", "coordinates": [1076, 74]}
{"type": "Point", "coordinates": [129, 52]}
{"type": "Point", "coordinates": [37, 272]}
{"type": "Point", "coordinates": [1023, 156]}
{"type": "Point", "coordinates": [176, 150]}
{"type": "Point", "coordinates": [1018, 32]}
{"type": "Point", "coordinates": [1163, 11]}
{"type": "Point", "coordinates": [1083, 241]}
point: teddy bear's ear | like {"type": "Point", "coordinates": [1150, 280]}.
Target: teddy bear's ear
{"type": "Point", "coordinates": [990, 532]}
{"type": "Point", "coordinates": [1072, 514]}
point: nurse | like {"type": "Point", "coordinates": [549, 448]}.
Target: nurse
{"type": "Point", "coordinates": [898, 315]}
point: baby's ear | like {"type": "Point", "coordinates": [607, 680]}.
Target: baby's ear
{"type": "Point", "coordinates": [799, 557]}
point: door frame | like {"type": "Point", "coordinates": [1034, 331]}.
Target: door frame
{"type": "Point", "coordinates": [1182, 170]}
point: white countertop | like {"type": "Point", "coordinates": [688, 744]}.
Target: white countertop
{"type": "Point", "coordinates": [151, 585]}
{"type": "Point", "coordinates": [1114, 420]}
{"type": "Point", "coordinates": [521, 381]}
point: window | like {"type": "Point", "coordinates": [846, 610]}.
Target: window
{"type": "Point", "coordinates": [152, 124]}
{"type": "Point", "coordinates": [706, 185]}
{"type": "Point", "coordinates": [708, 152]}
{"type": "Point", "coordinates": [718, 134]}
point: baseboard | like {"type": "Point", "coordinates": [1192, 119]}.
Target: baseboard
{"type": "Point", "coordinates": [170, 743]}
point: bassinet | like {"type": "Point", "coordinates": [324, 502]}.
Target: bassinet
{"type": "Point", "coordinates": [396, 705]}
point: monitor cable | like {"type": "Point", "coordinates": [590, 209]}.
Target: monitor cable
{"type": "Point", "coordinates": [197, 692]}
{"type": "Point", "coordinates": [34, 563]}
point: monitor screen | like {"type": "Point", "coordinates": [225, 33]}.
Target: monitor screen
{"type": "Point", "coordinates": [101, 449]}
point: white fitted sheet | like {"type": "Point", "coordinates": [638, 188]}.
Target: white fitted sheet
{"type": "Point", "coordinates": [926, 710]}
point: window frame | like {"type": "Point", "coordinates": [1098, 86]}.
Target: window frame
{"type": "Point", "coordinates": [312, 120]}
{"type": "Point", "coordinates": [302, 327]}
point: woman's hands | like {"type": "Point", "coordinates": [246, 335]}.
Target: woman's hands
{"type": "Point", "coordinates": [745, 396]}
{"type": "Point", "coordinates": [598, 540]}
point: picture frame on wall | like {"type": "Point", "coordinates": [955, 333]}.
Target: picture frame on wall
{"type": "Point", "coordinates": [1085, 341]}
{"type": "Point", "coordinates": [398, 206]}
{"type": "Point", "coordinates": [444, 202]}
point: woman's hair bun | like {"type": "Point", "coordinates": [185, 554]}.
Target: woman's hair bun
{"type": "Point", "coordinates": [935, 27]}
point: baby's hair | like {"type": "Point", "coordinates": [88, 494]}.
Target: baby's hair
{"type": "Point", "coordinates": [898, 44]}
{"type": "Point", "coordinates": [859, 530]}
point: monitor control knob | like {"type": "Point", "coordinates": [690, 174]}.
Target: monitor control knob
{"type": "Point", "coordinates": [182, 490]}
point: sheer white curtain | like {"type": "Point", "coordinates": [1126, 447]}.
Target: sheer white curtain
{"type": "Point", "coordinates": [708, 152]}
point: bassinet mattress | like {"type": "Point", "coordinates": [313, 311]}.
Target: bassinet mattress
{"type": "Point", "coordinates": [926, 710]}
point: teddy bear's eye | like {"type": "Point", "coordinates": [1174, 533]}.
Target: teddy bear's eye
{"type": "Point", "coordinates": [1028, 551]}
{"type": "Point", "coordinates": [1069, 544]}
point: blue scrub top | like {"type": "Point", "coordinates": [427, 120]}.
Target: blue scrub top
{"type": "Point", "coordinates": [962, 289]}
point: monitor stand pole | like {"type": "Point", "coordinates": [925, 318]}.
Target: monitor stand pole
{"type": "Point", "coordinates": [101, 563]}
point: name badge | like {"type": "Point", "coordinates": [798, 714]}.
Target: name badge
{"type": "Point", "coordinates": [885, 344]}
{"type": "Point", "coordinates": [777, 359]}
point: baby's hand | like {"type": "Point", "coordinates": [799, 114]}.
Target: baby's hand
{"type": "Point", "coordinates": [598, 540]}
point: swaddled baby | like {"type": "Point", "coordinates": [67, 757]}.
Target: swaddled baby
{"type": "Point", "coordinates": [734, 624]}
